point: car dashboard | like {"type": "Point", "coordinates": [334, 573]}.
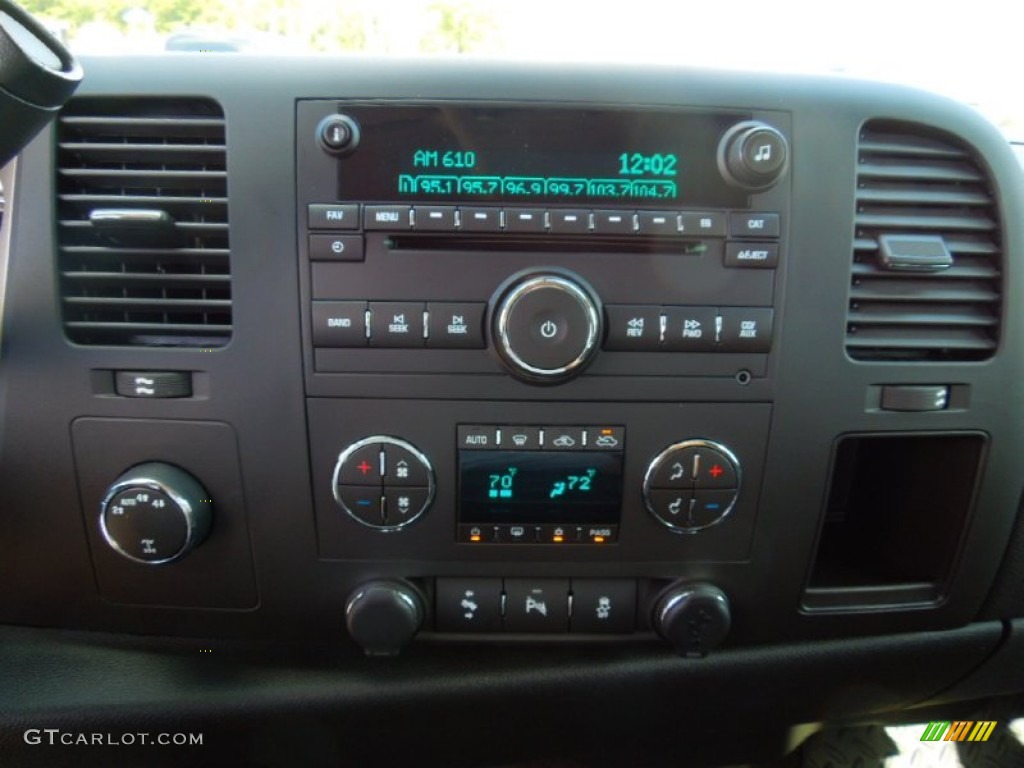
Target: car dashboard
{"type": "Point", "coordinates": [345, 397]}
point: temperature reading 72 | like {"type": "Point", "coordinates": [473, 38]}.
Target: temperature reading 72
{"type": "Point", "coordinates": [572, 483]}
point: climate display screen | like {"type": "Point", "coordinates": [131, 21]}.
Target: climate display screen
{"type": "Point", "coordinates": [540, 486]}
{"type": "Point", "coordinates": [536, 155]}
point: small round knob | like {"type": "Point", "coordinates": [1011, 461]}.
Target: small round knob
{"type": "Point", "coordinates": [546, 328]}
{"type": "Point", "coordinates": [753, 155]}
{"type": "Point", "coordinates": [338, 134]}
{"type": "Point", "coordinates": [155, 513]}
{"type": "Point", "coordinates": [694, 618]}
{"type": "Point", "coordinates": [384, 616]}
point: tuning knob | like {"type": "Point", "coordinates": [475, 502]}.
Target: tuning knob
{"type": "Point", "coordinates": [546, 327]}
{"type": "Point", "coordinates": [384, 616]}
{"type": "Point", "coordinates": [155, 513]}
{"type": "Point", "coordinates": [753, 155]}
{"type": "Point", "coordinates": [694, 618]}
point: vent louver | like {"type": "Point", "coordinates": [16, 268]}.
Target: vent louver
{"type": "Point", "coordinates": [920, 191]}
{"type": "Point", "coordinates": [143, 222]}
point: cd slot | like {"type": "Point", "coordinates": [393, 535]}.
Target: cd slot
{"type": "Point", "coordinates": [547, 243]}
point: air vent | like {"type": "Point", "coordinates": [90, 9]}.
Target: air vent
{"type": "Point", "coordinates": [927, 253]}
{"type": "Point", "coordinates": [143, 223]}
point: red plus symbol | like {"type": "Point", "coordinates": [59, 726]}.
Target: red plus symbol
{"type": "Point", "coordinates": [364, 467]}
{"type": "Point", "coordinates": [715, 471]}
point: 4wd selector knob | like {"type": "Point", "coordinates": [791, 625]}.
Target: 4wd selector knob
{"type": "Point", "coordinates": [546, 327]}
{"type": "Point", "coordinates": [753, 155]}
{"type": "Point", "coordinates": [155, 513]}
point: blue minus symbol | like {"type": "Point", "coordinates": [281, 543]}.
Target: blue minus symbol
{"type": "Point", "coordinates": [713, 506]}
{"type": "Point", "coordinates": [363, 502]}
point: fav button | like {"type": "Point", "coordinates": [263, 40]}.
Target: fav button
{"type": "Point", "coordinates": [329, 216]}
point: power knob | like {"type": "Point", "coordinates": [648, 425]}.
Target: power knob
{"type": "Point", "coordinates": [547, 327]}
{"type": "Point", "coordinates": [694, 618]}
{"type": "Point", "coordinates": [155, 513]}
{"type": "Point", "coordinates": [753, 155]}
{"type": "Point", "coordinates": [383, 616]}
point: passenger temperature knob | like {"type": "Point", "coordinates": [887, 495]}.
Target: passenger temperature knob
{"type": "Point", "coordinates": [694, 618]}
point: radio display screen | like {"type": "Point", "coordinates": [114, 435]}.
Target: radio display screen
{"type": "Point", "coordinates": [545, 155]}
{"type": "Point", "coordinates": [540, 486]}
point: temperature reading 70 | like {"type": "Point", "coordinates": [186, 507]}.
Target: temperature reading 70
{"type": "Point", "coordinates": [501, 485]}
{"type": "Point", "coordinates": [572, 483]}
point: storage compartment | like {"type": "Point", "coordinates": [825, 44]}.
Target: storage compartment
{"type": "Point", "coordinates": [897, 510]}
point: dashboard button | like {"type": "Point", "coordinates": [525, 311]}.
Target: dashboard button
{"type": "Point", "coordinates": [403, 467]}
{"type": "Point", "coordinates": [598, 534]}
{"type": "Point", "coordinates": [521, 438]}
{"type": "Point", "coordinates": [363, 502]}
{"type": "Point", "coordinates": [633, 327]}
{"type": "Point", "coordinates": [754, 224]}
{"type": "Point", "coordinates": [675, 470]}
{"type": "Point", "coordinates": [603, 605]}
{"type": "Point", "coordinates": [517, 534]}
{"type": "Point", "coordinates": [606, 438]}
{"type": "Point", "coordinates": [745, 329]}
{"type": "Point", "coordinates": [437, 218]}
{"type": "Point", "coordinates": [455, 325]}
{"type": "Point", "coordinates": [712, 469]}
{"type": "Point", "coordinates": [690, 329]}
{"type": "Point", "coordinates": [362, 466]}
{"type": "Point", "coordinates": [556, 534]}
{"type": "Point", "coordinates": [524, 220]}
{"type": "Point", "coordinates": [329, 216]}
{"type": "Point", "coordinates": [658, 222]}
{"type": "Point", "coordinates": [468, 605]}
{"type": "Point", "coordinates": [752, 255]}
{"type": "Point", "coordinates": [711, 506]}
{"type": "Point", "coordinates": [339, 324]}
{"type": "Point", "coordinates": [480, 219]}
{"type": "Point", "coordinates": [570, 222]}
{"type": "Point", "coordinates": [403, 505]}
{"type": "Point", "coordinates": [537, 605]}
{"type": "Point", "coordinates": [672, 507]}
{"type": "Point", "coordinates": [477, 438]}
{"type": "Point", "coordinates": [396, 324]}
{"type": "Point", "coordinates": [613, 222]}
{"type": "Point", "coordinates": [153, 384]}
{"type": "Point", "coordinates": [709, 224]}
{"type": "Point", "coordinates": [336, 247]}
{"type": "Point", "coordinates": [395, 217]}
{"type": "Point", "coordinates": [564, 438]}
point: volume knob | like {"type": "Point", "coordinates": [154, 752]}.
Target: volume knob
{"type": "Point", "coordinates": [547, 328]}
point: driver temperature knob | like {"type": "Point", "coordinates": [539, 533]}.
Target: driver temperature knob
{"type": "Point", "coordinates": [694, 618]}
{"type": "Point", "coordinates": [384, 616]}
{"type": "Point", "coordinates": [547, 327]}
